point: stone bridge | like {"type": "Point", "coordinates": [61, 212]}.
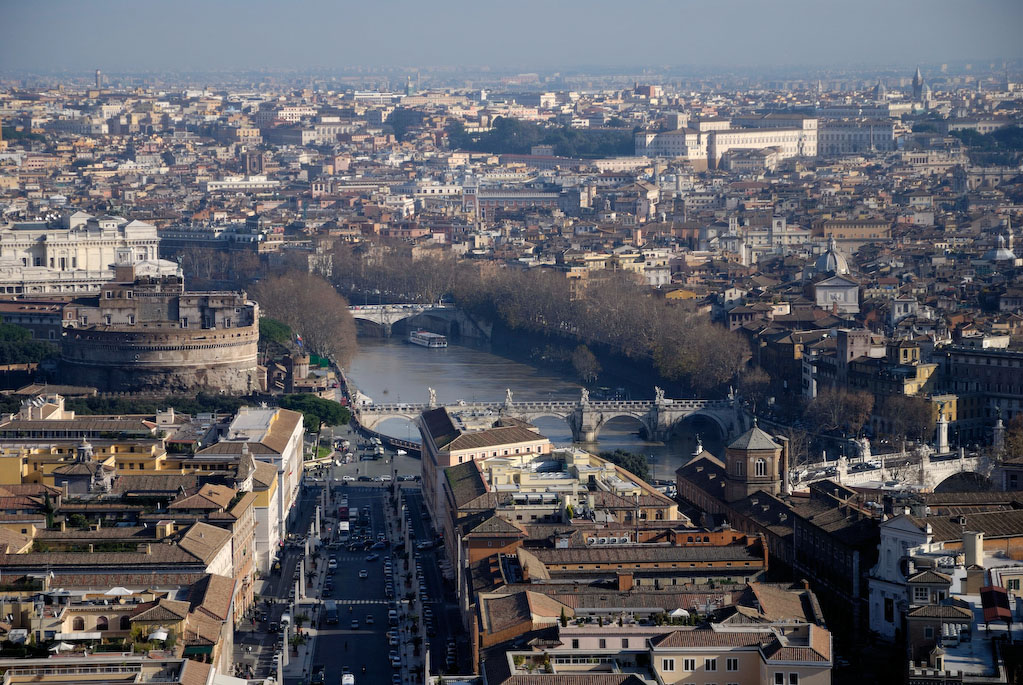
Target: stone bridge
{"type": "Point", "coordinates": [439, 318]}
{"type": "Point", "coordinates": [915, 468]}
{"type": "Point", "coordinates": [659, 417]}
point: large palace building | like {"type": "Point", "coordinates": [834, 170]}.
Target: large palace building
{"type": "Point", "coordinates": [144, 332]}
{"type": "Point", "coordinates": [73, 255]}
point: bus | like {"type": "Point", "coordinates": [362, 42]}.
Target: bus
{"type": "Point", "coordinates": [330, 612]}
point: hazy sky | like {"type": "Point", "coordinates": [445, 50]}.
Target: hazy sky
{"type": "Point", "coordinates": [140, 35]}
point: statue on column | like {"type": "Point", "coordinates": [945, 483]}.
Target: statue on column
{"type": "Point", "coordinates": [433, 397]}
{"type": "Point", "coordinates": [507, 396]}
{"type": "Point", "coordinates": [658, 395]}
{"type": "Point", "coordinates": [584, 396]}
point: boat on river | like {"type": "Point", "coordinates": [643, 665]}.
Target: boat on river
{"type": "Point", "coordinates": [427, 339]}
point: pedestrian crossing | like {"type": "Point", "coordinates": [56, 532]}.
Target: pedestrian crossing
{"type": "Point", "coordinates": [342, 602]}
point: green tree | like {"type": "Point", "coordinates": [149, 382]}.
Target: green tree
{"type": "Point", "coordinates": [636, 464]}
{"type": "Point", "coordinates": [316, 410]}
{"type": "Point", "coordinates": [274, 331]}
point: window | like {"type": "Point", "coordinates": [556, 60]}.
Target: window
{"type": "Point", "coordinates": [739, 468]}
{"type": "Point", "coordinates": [710, 664]}
{"type": "Point", "coordinates": [625, 643]}
{"type": "Point", "coordinates": [102, 623]}
{"type": "Point", "coordinates": [575, 643]}
{"type": "Point", "coordinates": [920, 594]}
{"type": "Point", "coordinates": [731, 664]}
{"type": "Point", "coordinates": [125, 623]}
{"type": "Point", "coordinates": [667, 664]}
{"type": "Point", "coordinates": [761, 467]}
{"type": "Point", "coordinates": [689, 664]}
{"type": "Point", "coordinates": [779, 679]}
{"type": "Point", "coordinates": [602, 643]}
{"type": "Point", "coordinates": [78, 623]}
{"type": "Point", "coordinates": [928, 632]}
{"type": "Point", "coordinates": [793, 679]}
{"type": "Point", "coordinates": [1013, 584]}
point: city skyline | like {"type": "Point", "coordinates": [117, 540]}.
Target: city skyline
{"type": "Point", "coordinates": [121, 36]}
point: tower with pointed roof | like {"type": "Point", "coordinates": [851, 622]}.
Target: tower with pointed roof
{"type": "Point", "coordinates": [918, 85]}
{"type": "Point", "coordinates": [754, 461]}
{"type": "Point", "coordinates": [880, 92]}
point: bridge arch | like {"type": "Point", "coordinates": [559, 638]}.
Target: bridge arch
{"type": "Point", "coordinates": [965, 481]}
{"type": "Point", "coordinates": [649, 432]}
{"type": "Point", "coordinates": [700, 418]}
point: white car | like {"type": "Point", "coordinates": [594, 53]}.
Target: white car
{"type": "Point", "coordinates": [402, 453]}
{"type": "Point", "coordinates": [347, 479]}
{"type": "Point", "coordinates": [364, 574]}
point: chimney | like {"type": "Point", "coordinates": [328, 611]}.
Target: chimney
{"type": "Point", "coordinates": [92, 549]}
{"type": "Point", "coordinates": [973, 545]}
{"type": "Point", "coordinates": [149, 548]}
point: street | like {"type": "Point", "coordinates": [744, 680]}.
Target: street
{"type": "Point", "coordinates": [362, 600]}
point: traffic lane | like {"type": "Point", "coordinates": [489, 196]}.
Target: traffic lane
{"type": "Point", "coordinates": [336, 649]}
{"type": "Point", "coordinates": [350, 590]}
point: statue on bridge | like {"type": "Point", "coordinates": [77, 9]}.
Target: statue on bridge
{"type": "Point", "coordinates": [658, 395]}
{"type": "Point", "coordinates": [508, 396]}
{"type": "Point", "coordinates": [433, 398]}
{"type": "Point", "coordinates": [584, 397]}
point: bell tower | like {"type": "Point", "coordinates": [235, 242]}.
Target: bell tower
{"type": "Point", "coordinates": [754, 461]}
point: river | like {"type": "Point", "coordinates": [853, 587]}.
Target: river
{"type": "Point", "coordinates": [391, 370]}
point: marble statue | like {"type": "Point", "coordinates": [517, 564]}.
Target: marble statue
{"type": "Point", "coordinates": [585, 398]}
{"type": "Point", "coordinates": [658, 395]}
{"type": "Point", "coordinates": [433, 397]}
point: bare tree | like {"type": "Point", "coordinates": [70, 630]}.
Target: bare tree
{"type": "Point", "coordinates": [313, 309]}
{"type": "Point", "coordinates": [585, 364]}
{"type": "Point", "coordinates": [907, 417]}
{"type": "Point", "coordinates": [840, 409]}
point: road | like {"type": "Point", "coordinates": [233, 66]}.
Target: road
{"type": "Point", "coordinates": [357, 598]}
{"type": "Point", "coordinates": [447, 619]}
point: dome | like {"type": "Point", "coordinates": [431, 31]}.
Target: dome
{"type": "Point", "coordinates": [831, 261]}
{"type": "Point", "coordinates": [1000, 253]}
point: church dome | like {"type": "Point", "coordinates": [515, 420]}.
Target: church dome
{"type": "Point", "coordinates": [831, 261]}
{"type": "Point", "coordinates": [1000, 253]}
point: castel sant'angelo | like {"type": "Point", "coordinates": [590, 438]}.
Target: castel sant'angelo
{"type": "Point", "coordinates": [145, 332]}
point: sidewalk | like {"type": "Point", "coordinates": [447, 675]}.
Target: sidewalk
{"type": "Point", "coordinates": [300, 665]}
{"type": "Point", "coordinates": [411, 665]}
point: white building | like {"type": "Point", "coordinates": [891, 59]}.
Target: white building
{"type": "Point", "coordinates": [705, 145]}
{"type": "Point", "coordinates": [270, 435]}
{"type": "Point", "coordinates": [72, 255]}
{"type": "Point", "coordinates": [853, 136]}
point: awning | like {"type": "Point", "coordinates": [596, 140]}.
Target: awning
{"type": "Point", "coordinates": [995, 601]}
{"type": "Point", "coordinates": [78, 636]}
{"type": "Point", "coordinates": [198, 650]}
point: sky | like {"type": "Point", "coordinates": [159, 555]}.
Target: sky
{"type": "Point", "coordinates": [548, 35]}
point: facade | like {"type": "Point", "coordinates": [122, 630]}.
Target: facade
{"type": "Point", "coordinates": [856, 136]}
{"type": "Point", "coordinates": [145, 332]}
{"type": "Point", "coordinates": [72, 256]}
{"type": "Point", "coordinates": [837, 293]}
{"type": "Point", "coordinates": [705, 145]}
{"type": "Point", "coordinates": [989, 383]}
{"type": "Point", "coordinates": [445, 445]}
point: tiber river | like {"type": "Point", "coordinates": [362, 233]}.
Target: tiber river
{"type": "Point", "coordinates": [392, 370]}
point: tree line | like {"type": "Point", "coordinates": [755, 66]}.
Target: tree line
{"type": "Point", "coordinates": [514, 136]}
{"type": "Point", "coordinates": [617, 314]}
